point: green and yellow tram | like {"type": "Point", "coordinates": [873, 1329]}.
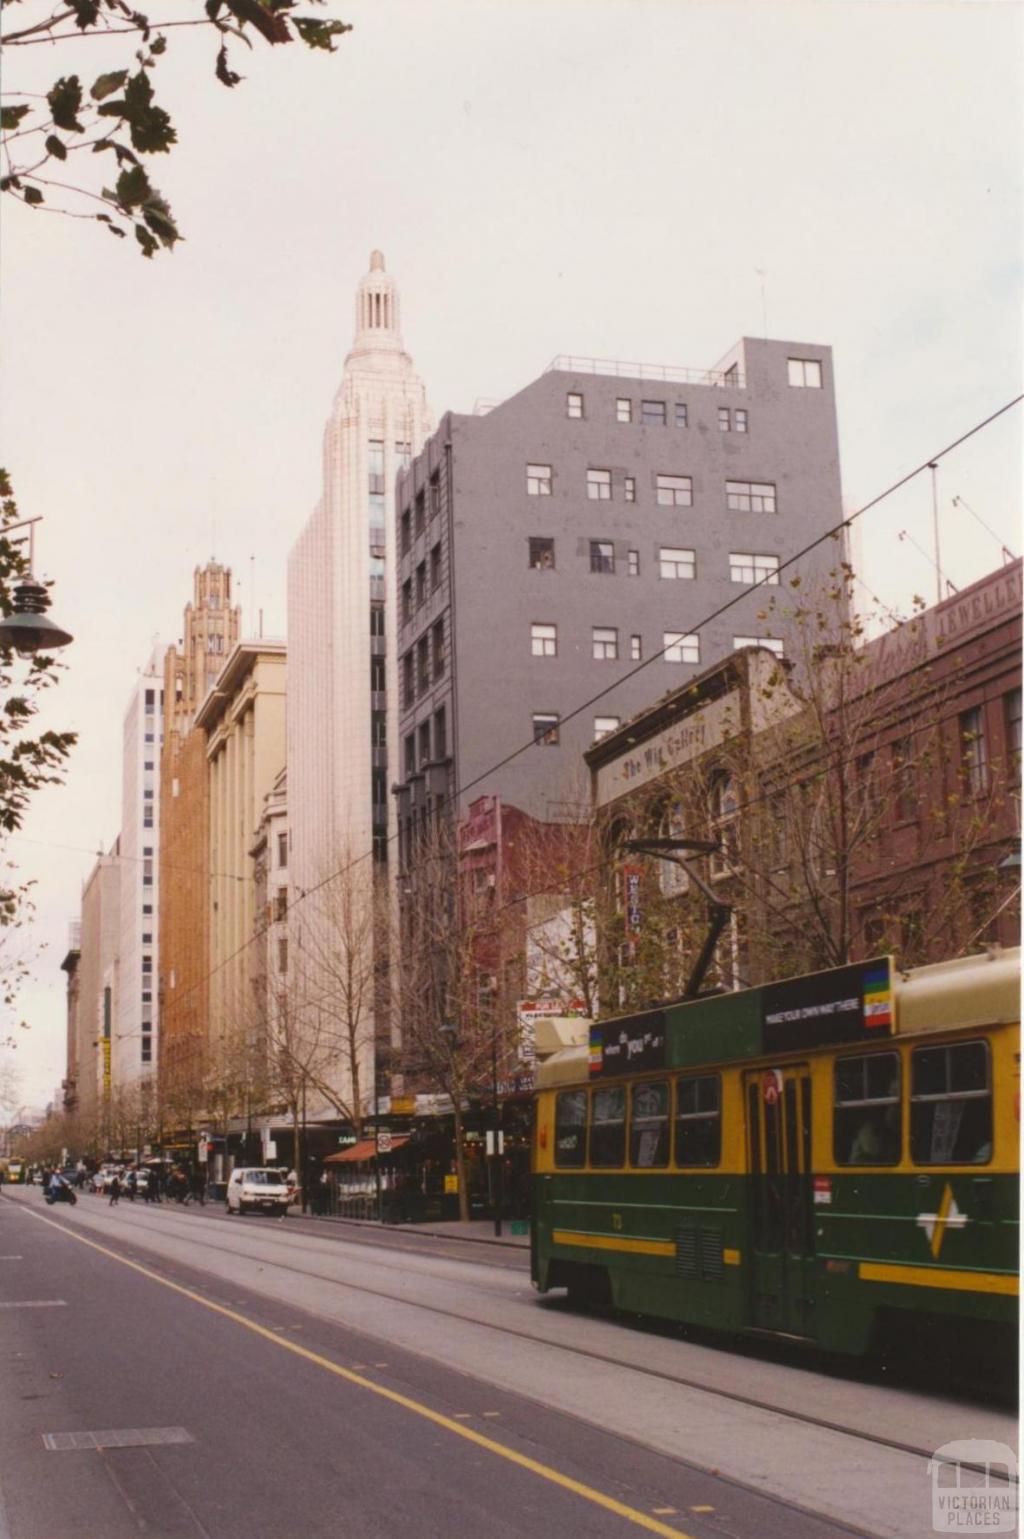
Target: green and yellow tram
{"type": "Point", "coordinates": [817, 1158]}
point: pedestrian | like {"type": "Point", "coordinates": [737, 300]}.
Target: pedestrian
{"type": "Point", "coordinates": [154, 1183]}
{"type": "Point", "coordinates": [199, 1185]}
{"type": "Point", "coordinates": [80, 1174]}
{"type": "Point", "coordinates": [131, 1183]}
{"type": "Point", "coordinates": [115, 1190]}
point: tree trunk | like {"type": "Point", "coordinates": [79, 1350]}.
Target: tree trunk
{"type": "Point", "coordinates": [460, 1164]}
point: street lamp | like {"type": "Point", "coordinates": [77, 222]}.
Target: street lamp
{"type": "Point", "coordinates": [28, 628]}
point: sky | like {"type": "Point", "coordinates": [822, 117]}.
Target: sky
{"type": "Point", "coordinates": [643, 180]}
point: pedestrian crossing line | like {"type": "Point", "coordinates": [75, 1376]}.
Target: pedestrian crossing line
{"type": "Point", "coordinates": [533, 1466]}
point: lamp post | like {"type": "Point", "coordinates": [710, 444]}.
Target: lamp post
{"type": "Point", "coordinates": [27, 628]}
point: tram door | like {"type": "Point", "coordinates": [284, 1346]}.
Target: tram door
{"type": "Point", "coordinates": [781, 1205]}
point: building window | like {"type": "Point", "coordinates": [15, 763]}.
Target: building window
{"type": "Point", "coordinates": [403, 454]}
{"type": "Point", "coordinates": [652, 413]}
{"type": "Point", "coordinates": [146, 1047]}
{"type": "Point", "coordinates": [538, 480]}
{"type": "Point", "coordinates": [147, 996]}
{"type": "Point", "coordinates": [545, 729]}
{"type": "Point", "coordinates": [421, 512]}
{"type": "Point", "coordinates": [408, 679]}
{"type": "Point", "coordinates": [636, 649]}
{"type": "Point", "coordinates": [437, 647]}
{"type": "Point", "coordinates": [423, 664]}
{"type": "Point", "coordinates": [435, 494]}
{"type": "Point", "coordinates": [573, 405]}
{"type": "Point", "coordinates": [605, 724]}
{"type": "Point", "coordinates": [633, 563]}
{"type": "Point", "coordinates": [147, 964]}
{"type": "Point", "coordinates": [674, 491]}
{"type": "Point", "coordinates": [147, 873]}
{"type": "Point", "coordinates": [410, 755]}
{"type": "Point", "coordinates": [677, 563]}
{"type": "Point", "coordinates": [605, 643]}
{"type": "Point", "coordinates": [281, 904]}
{"type": "Point", "coordinates": [406, 538]}
{"type": "Point", "coordinates": [680, 648]}
{"type": "Point", "coordinates": [739, 420]}
{"type": "Point", "coordinates": [769, 642]}
{"type": "Point", "coordinates": [602, 556]}
{"type": "Point", "coordinates": [724, 419]}
{"type": "Point", "coordinates": [150, 700]}
{"type": "Point", "coordinates": [698, 1120]}
{"type": "Point", "coordinates": [375, 466]}
{"type": "Point", "coordinates": [747, 567]}
{"type": "Point", "coordinates": [623, 409]}
{"type": "Point", "coordinates": [282, 955]}
{"type": "Point", "coordinates": [147, 817]}
{"type": "Point", "coordinates": [407, 601]}
{"type": "Point", "coordinates": [599, 485]}
{"type": "Point", "coordinates": [1011, 722]}
{"type": "Point", "coordinates": [904, 779]}
{"type": "Point", "coordinates": [424, 732]}
{"type": "Point", "coordinates": [282, 849]}
{"type": "Point", "coordinates": [544, 640]}
{"type": "Point", "coordinates": [974, 751]}
{"type": "Point", "coordinates": [682, 415]}
{"type": "Point", "coordinates": [750, 496]}
{"type": "Point", "coordinates": [148, 765]}
{"type": "Point", "coordinates": [542, 553]}
{"type": "Point", "coordinates": [440, 734]}
{"type": "Point", "coordinates": [147, 938]}
{"type": "Point", "coordinates": [421, 584]}
{"type": "Point", "coordinates": [805, 373]}
{"type": "Point", "coordinates": [724, 808]}
{"type": "Point", "coordinates": [376, 619]}
{"type": "Point", "coordinates": [435, 568]}
{"type": "Point", "coordinates": [629, 488]}
{"type": "Point", "coordinates": [378, 682]}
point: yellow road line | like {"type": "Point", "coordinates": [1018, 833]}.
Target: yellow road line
{"type": "Point", "coordinates": [534, 1466]}
{"type": "Point", "coordinates": [939, 1277]}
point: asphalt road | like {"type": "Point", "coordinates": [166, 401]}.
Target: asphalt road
{"type": "Point", "coordinates": [317, 1397]}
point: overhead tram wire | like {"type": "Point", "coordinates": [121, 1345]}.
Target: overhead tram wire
{"type": "Point", "coordinates": [459, 791]}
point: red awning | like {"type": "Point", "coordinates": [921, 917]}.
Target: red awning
{"type": "Point", "coordinates": [365, 1149]}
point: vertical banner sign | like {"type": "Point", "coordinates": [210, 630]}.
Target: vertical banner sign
{"type": "Point", "coordinates": [631, 898]}
{"type": "Point", "coordinates": [106, 1040]}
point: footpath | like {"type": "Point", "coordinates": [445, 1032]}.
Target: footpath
{"type": "Point", "coordinates": [479, 1230]}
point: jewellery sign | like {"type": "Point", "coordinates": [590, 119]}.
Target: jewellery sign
{"type": "Point", "coordinates": [621, 1047]}
{"type": "Point", "coordinates": [845, 1004]}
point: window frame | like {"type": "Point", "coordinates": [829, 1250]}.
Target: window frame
{"type": "Point", "coordinates": [603, 637]}
{"type": "Point", "coordinates": [679, 640]}
{"type": "Point", "coordinates": [669, 494]}
{"type": "Point", "coordinates": [653, 413]}
{"type": "Point", "coordinates": [676, 556]}
{"type": "Point", "coordinates": [571, 1164]}
{"type": "Point", "coordinates": [945, 1096]}
{"type": "Point", "coordinates": [864, 1102]}
{"type": "Point", "coordinates": [623, 408]}
{"type": "Point", "coordinates": [797, 373]}
{"type": "Point", "coordinates": [742, 562]}
{"type": "Point", "coordinates": [592, 1124]}
{"type": "Point", "coordinates": [697, 1116]}
{"type": "Point", "coordinates": [574, 398]}
{"type": "Point", "coordinates": [665, 1134]}
{"type": "Point", "coordinates": [546, 736]}
{"type": "Point", "coordinates": [546, 633]}
{"type": "Point", "coordinates": [538, 480]}
{"type": "Point", "coordinates": [600, 564]}
{"type": "Point", "coordinates": [751, 496]}
{"type": "Point", "coordinates": [599, 484]}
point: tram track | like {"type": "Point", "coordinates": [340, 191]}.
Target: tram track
{"type": "Point", "coordinates": [275, 1238]}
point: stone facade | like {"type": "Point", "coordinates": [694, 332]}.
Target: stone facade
{"type": "Point", "coordinates": [136, 1036]}
{"type": "Point", "coordinates": [98, 987]}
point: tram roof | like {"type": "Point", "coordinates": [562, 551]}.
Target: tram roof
{"type": "Point", "coordinates": [821, 1010]}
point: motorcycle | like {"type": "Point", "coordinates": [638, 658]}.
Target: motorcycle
{"type": "Point", "coordinates": [63, 1193]}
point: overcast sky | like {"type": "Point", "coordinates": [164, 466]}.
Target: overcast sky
{"type": "Point", "coordinates": [601, 177]}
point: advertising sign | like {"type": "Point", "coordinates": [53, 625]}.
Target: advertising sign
{"type": "Point", "coordinates": [844, 1004]}
{"type": "Point", "coordinates": [631, 898]}
{"type": "Point", "coordinates": [628, 1045]}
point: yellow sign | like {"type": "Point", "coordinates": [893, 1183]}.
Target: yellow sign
{"type": "Point", "coordinates": [403, 1105]}
{"type": "Point", "coordinates": [451, 1184]}
{"type": "Point", "coordinates": [106, 1063]}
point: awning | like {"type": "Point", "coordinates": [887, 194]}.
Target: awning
{"type": "Point", "coordinates": [365, 1149]}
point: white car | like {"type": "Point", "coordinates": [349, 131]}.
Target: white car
{"type": "Point", "coordinates": [261, 1190]}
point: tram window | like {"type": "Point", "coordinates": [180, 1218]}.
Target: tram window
{"type": "Point", "coordinates": [608, 1126]}
{"type": "Point", "coordinates": [867, 1125]}
{"type": "Point", "coordinates": [698, 1120]}
{"type": "Point", "coordinates": [648, 1126]}
{"type": "Point", "coordinates": [951, 1105]}
{"type": "Point", "coordinates": [571, 1128]}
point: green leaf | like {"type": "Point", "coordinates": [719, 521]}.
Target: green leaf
{"type": "Point", "coordinates": [224, 74]}
{"type": "Point", "coordinates": [87, 13]}
{"type": "Point", "coordinates": [111, 226]}
{"type": "Point", "coordinates": [159, 219]}
{"type": "Point", "coordinates": [132, 188]}
{"type": "Point", "coordinates": [10, 117]}
{"type": "Point", "coordinates": [150, 126]}
{"type": "Point", "coordinates": [158, 45]}
{"type": "Point", "coordinates": [145, 240]}
{"type": "Point", "coordinates": [56, 147]}
{"type": "Point", "coordinates": [65, 101]}
{"type": "Point", "coordinates": [10, 183]}
{"type": "Point", "coordinates": [33, 195]}
{"type": "Point", "coordinates": [103, 85]}
{"type": "Point", "coordinates": [319, 34]}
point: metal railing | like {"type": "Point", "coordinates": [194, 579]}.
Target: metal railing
{"type": "Point", "coordinates": [666, 373]}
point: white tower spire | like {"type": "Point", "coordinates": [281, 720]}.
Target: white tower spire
{"type": "Point", "coordinates": [378, 312]}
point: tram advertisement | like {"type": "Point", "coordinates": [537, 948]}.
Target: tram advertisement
{"type": "Point", "coordinates": [845, 1004]}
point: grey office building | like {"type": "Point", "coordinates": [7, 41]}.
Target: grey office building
{"type": "Point", "coordinates": [596, 520]}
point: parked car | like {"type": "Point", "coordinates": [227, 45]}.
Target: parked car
{"type": "Point", "coordinates": [257, 1190]}
{"type": "Point", "coordinates": [102, 1178]}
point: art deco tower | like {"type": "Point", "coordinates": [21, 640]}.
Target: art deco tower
{"type": "Point", "coordinates": [342, 675]}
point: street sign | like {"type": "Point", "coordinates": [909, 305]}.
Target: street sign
{"type": "Point", "coordinates": [384, 1141]}
{"type": "Point", "coordinates": [771, 1086]}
